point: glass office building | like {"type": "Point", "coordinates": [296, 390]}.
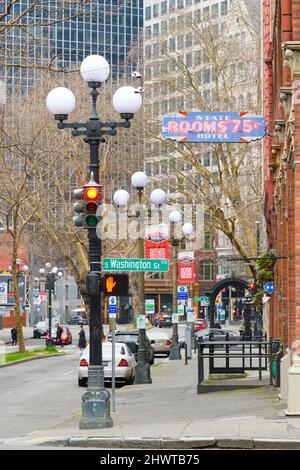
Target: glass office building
{"type": "Point", "coordinates": [62, 33]}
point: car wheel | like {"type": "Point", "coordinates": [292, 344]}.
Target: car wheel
{"type": "Point", "coordinates": [82, 382]}
{"type": "Point", "coordinates": [131, 380]}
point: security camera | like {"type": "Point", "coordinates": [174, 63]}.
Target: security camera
{"type": "Point", "coordinates": [140, 89]}
{"type": "Point", "coordinates": [136, 75]}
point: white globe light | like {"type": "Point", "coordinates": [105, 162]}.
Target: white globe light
{"type": "Point", "coordinates": [25, 268]}
{"type": "Point", "coordinates": [139, 179]}
{"type": "Point", "coordinates": [42, 271]}
{"type": "Point", "coordinates": [187, 229]}
{"type": "Point", "coordinates": [60, 274]}
{"type": "Point", "coordinates": [48, 265]}
{"type": "Point", "coordinates": [94, 68]}
{"type": "Point", "coordinates": [55, 270]}
{"type": "Point", "coordinates": [60, 100]}
{"type": "Point", "coordinates": [127, 100]}
{"type": "Point", "coordinates": [175, 216]}
{"type": "Point", "coordinates": [158, 197]}
{"type": "Point", "coordinates": [121, 197]}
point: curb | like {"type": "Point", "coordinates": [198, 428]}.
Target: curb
{"type": "Point", "coordinates": [173, 443]}
{"type": "Point", "coordinates": [9, 342]}
{"type": "Point", "coordinates": [28, 359]}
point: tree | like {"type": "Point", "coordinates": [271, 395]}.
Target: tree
{"type": "Point", "coordinates": [58, 164]}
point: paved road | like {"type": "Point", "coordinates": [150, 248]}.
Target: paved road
{"type": "Point", "coordinates": [38, 394]}
{"type": "Point", "coordinates": [41, 394]}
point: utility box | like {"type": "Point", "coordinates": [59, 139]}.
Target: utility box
{"type": "Point", "coordinates": [285, 363]}
{"type": "Point", "coordinates": [188, 340]}
{"type": "Point", "coordinates": [293, 404]}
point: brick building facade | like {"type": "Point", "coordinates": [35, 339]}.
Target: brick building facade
{"type": "Point", "coordinates": [282, 161]}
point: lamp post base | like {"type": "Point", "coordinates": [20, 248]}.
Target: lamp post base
{"type": "Point", "coordinates": [96, 402]}
{"type": "Point", "coordinates": [175, 352]}
{"type": "Point", "coordinates": [142, 374]}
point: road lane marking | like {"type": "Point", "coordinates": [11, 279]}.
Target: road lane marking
{"type": "Point", "coordinates": [6, 393]}
{"type": "Point", "coordinates": [41, 381]}
{"type": "Point", "coordinates": [69, 372]}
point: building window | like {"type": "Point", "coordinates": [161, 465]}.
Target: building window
{"type": "Point", "coordinates": [224, 8]}
{"type": "Point", "coordinates": [172, 44]}
{"type": "Point", "coordinates": [172, 5]}
{"type": "Point", "coordinates": [155, 30]}
{"type": "Point", "coordinates": [148, 31]}
{"type": "Point", "coordinates": [180, 42]}
{"type": "Point", "coordinates": [189, 40]}
{"type": "Point", "coordinates": [180, 4]}
{"type": "Point", "coordinates": [189, 60]}
{"type": "Point", "coordinates": [206, 160]}
{"type": "Point", "coordinates": [164, 7]}
{"type": "Point", "coordinates": [206, 13]}
{"type": "Point", "coordinates": [148, 13]}
{"type": "Point", "coordinates": [206, 76]}
{"type": "Point", "coordinates": [156, 10]}
{"type": "Point", "coordinates": [215, 10]}
{"type": "Point", "coordinates": [207, 270]}
{"type": "Point", "coordinates": [148, 52]}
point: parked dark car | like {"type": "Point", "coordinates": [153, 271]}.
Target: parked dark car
{"type": "Point", "coordinates": [132, 336]}
{"type": "Point", "coordinates": [218, 335]}
{"type": "Point", "coordinates": [164, 320]}
{"type": "Point", "coordinates": [77, 320]}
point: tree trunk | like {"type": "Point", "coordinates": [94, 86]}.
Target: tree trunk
{"type": "Point", "coordinates": [15, 286]}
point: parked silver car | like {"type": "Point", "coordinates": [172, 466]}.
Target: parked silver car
{"type": "Point", "coordinates": [160, 341]}
{"type": "Point", "coordinates": [125, 364]}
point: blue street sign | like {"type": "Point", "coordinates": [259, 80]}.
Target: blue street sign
{"type": "Point", "coordinates": [231, 127]}
{"type": "Point", "coordinates": [269, 287]}
{"type": "Point", "coordinates": [112, 306]}
{"type": "Point", "coordinates": [182, 293]}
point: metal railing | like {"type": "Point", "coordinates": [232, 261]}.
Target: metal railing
{"type": "Point", "coordinates": [254, 354]}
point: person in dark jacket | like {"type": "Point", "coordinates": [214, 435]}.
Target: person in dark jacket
{"type": "Point", "coordinates": [14, 336]}
{"type": "Point", "coordinates": [82, 340]}
{"type": "Point", "coordinates": [218, 326]}
{"type": "Point", "coordinates": [59, 332]}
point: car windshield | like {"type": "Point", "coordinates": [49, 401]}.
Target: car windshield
{"type": "Point", "coordinates": [157, 334]}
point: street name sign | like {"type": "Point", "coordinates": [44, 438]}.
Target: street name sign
{"type": "Point", "coordinates": [135, 264]}
{"type": "Point", "coordinates": [239, 127]}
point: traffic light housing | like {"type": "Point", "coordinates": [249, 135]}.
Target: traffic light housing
{"type": "Point", "coordinates": [90, 198]}
{"type": "Point", "coordinates": [251, 286]}
{"type": "Point", "coordinates": [116, 284]}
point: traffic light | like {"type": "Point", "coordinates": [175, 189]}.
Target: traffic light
{"type": "Point", "coordinates": [251, 286]}
{"type": "Point", "coordinates": [116, 284]}
{"type": "Point", "coordinates": [86, 209]}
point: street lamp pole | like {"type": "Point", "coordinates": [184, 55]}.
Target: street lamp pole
{"type": "Point", "coordinates": [121, 197]}
{"type": "Point", "coordinates": [60, 102]}
{"type": "Point", "coordinates": [142, 370]}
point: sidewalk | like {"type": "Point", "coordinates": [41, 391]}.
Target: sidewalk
{"type": "Point", "coordinates": [169, 414]}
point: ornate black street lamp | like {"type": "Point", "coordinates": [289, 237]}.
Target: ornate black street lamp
{"type": "Point", "coordinates": [61, 102]}
{"type": "Point", "coordinates": [139, 181]}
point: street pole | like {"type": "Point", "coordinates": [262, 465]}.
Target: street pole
{"type": "Point", "coordinates": [175, 347]}
{"type": "Point", "coordinates": [61, 102]}
{"type": "Point", "coordinates": [49, 285]}
{"type": "Point", "coordinates": [96, 401]}
{"type": "Point", "coordinates": [142, 370]}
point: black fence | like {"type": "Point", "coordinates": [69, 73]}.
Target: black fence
{"type": "Point", "coordinates": [255, 354]}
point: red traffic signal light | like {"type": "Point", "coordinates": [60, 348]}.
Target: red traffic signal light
{"type": "Point", "coordinates": [90, 193]}
{"type": "Point", "coordinates": [251, 285]}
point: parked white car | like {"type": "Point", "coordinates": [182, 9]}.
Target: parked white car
{"type": "Point", "coordinates": [160, 341]}
{"type": "Point", "coordinates": [125, 364]}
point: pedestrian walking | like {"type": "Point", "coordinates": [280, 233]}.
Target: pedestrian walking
{"type": "Point", "coordinates": [82, 339]}
{"type": "Point", "coordinates": [14, 336]}
{"type": "Point", "coordinates": [59, 332]}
